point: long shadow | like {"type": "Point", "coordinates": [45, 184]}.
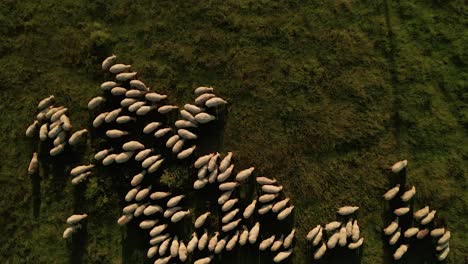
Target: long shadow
{"type": "Point", "coordinates": [36, 194]}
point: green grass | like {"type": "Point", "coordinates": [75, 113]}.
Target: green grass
{"type": "Point", "coordinates": [320, 97]}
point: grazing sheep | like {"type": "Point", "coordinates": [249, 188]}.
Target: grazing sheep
{"type": "Point", "coordinates": [126, 102]}
{"type": "Point", "coordinates": [184, 124]}
{"type": "Point", "coordinates": [61, 137]}
{"type": "Point", "coordinates": [213, 241]}
{"type": "Point", "coordinates": [347, 210]}
{"type": "Point", "coordinates": [193, 109]}
{"type": "Point", "coordinates": [265, 209]}
{"type": "Point", "coordinates": [266, 243]}
{"type": "Point", "coordinates": [188, 116]}
{"type": "Point", "coordinates": [229, 216]}
{"type": "Point", "coordinates": [266, 198]}
{"type": "Point", "coordinates": [200, 221]}
{"type": "Point", "coordinates": [400, 252]}
{"type": "Point", "coordinates": [175, 200]}
{"type": "Point", "coordinates": [212, 163]}
{"type": "Point", "coordinates": [410, 232]}
{"type": "Point", "coordinates": [332, 226]}
{"type": "Point", "coordinates": [437, 232]}
{"type": "Point", "coordinates": [150, 161]}
{"type": "Point", "coordinates": [342, 237]}
{"type": "Point", "coordinates": [169, 212]}
{"type": "Point", "coordinates": [46, 102]}
{"type": "Point", "coordinates": [155, 97]}
{"type": "Point", "coordinates": [80, 178]}
{"type": "Point", "coordinates": [244, 174]}
{"type": "Point", "coordinates": [355, 231]}
{"type": "Point", "coordinates": [144, 110]}
{"type": "Point", "coordinates": [151, 127]}
{"type": "Point", "coordinates": [95, 102]}
{"type": "Point", "coordinates": [200, 184]}
{"type": "Point", "coordinates": [232, 242]}
{"type": "Point", "coordinates": [272, 188]}
{"type": "Point", "coordinates": [204, 118]}
{"type": "Point", "coordinates": [109, 159]}
{"type": "Point", "coordinates": [124, 157]}
{"type": "Point", "coordinates": [277, 244]}
{"type": "Point", "coordinates": [203, 89]}
{"type": "Point", "coordinates": [140, 209]}
{"type": "Point", "coordinates": [156, 240]}
{"type": "Point", "coordinates": [153, 168]}
{"type": "Point", "coordinates": [289, 238]}
{"type": "Point", "coordinates": [108, 62]}
{"type": "Point", "coordinates": [106, 86]}
{"type": "Point", "coordinates": [76, 137]}
{"type": "Point", "coordinates": [43, 132]}
{"type": "Point", "coordinates": [131, 194]}
{"type": "Point", "coordinates": [356, 244]}
{"type": "Point", "coordinates": [163, 260]}
{"type": "Point", "coordinates": [395, 237]}
{"type": "Point", "coordinates": [213, 175]}
{"type": "Point", "coordinates": [201, 99]}
{"type": "Point", "coordinates": [163, 247]}
{"type": "Point", "coordinates": [408, 194]}
{"type": "Point", "coordinates": [160, 195]}
{"type": "Point", "coordinates": [392, 227]}
{"type": "Point", "coordinates": [215, 101]}
{"type": "Point", "coordinates": [31, 130]}
{"type": "Point", "coordinates": [226, 174]}
{"type": "Point", "coordinates": [56, 116]}
{"type": "Point", "coordinates": [174, 249]}
{"type": "Point", "coordinates": [281, 256]}
{"type": "Point", "coordinates": [445, 238]}
{"type": "Point", "coordinates": [349, 227]}
{"type": "Point", "coordinates": [118, 91]}
{"type": "Point", "coordinates": [441, 247]}
{"type": "Point", "coordinates": [142, 194]}
{"type": "Point", "coordinates": [265, 181]}
{"type": "Point", "coordinates": [99, 120]}
{"type": "Point", "coordinates": [115, 133]}
{"type": "Point", "coordinates": [185, 134]}
{"type": "Point", "coordinates": [444, 254]}
{"type": "Point", "coordinates": [33, 164]}
{"type": "Point", "coordinates": [318, 254]}
{"type": "Point", "coordinates": [333, 240]}
{"type": "Point", "coordinates": [53, 132]}
{"type": "Point", "coordinates": [152, 252]}
{"type": "Point", "coordinates": [250, 209]}
{"type": "Point", "coordinates": [253, 233]}
{"type": "Point", "coordinates": [202, 160]}
{"type": "Point", "coordinates": [81, 169]}
{"type": "Point", "coordinates": [125, 119]}
{"type": "Point", "coordinates": [401, 211]}
{"type": "Point", "coordinates": [66, 125]}
{"type": "Point", "coordinates": [186, 153]}
{"type": "Point", "coordinates": [57, 150]}
{"type": "Point", "coordinates": [119, 68]}
{"type": "Point", "coordinates": [192, 244]}
{"type": "Point", "coordinates": [426, 220]}
{"type": "Point", "coordinates": [229, 204]}
{"type": "Point", "coordinates": [225, 162]}
{"type": "Point", "coordinates": [390, 194]}
{"type": "Point", "coordinates": [421, 213]}
{"type": "Point", "coordinates": [397, 167]}
{"type": "Point", "coordinates": [135, 106]}
{"type": "Point", "coordinates": [230, 226]}
{"type": "Point", "coordinates": [51, 111]}
{"type": "Point", "coordinates": [162, 132]}
{"type": "Point", "coordinates": [70, 230]}
{"type": "Point", "coordinates": [112, 115]}
{"type": "Point", "coordinates": [225, 196]}
{"type": "Point", "coordinates": [147, 224]}
{"type": "Point", "coordinates": [227, 186]}
{"type": "Point", "coordinates": [158, 230]}
{"type": "Point", "coordinates": [167, 108]}
{"type": "Point", "coordinates": [124, 219]}
{"type": "Point", "coordinates": [205, 260]}
{"type": "Point", "coordinates": [203, 241]}
{"type": "Point", "coordinates": [76, 218]}
{"type": "Point", "coordinates": [132, 146]}
{"type": "Point", "coordinates": [152, 209]}
{"type": "Point", "coordinates": [285, 213]}
{"type": "Point", "coordinates": [313, 232]}
{"type": "Point", "coordinates": [138, 178]}
{"type": "Point", "coordinates": [183, 254]}
{"type": "Point", "coordinates": [318, 237]}
{"type": "Point", "coordinates": [139, 85]}
{"type": "Point", "coordinates": [244, 236]}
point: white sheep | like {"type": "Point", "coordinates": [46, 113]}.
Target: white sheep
{"type": "Point", "coordinates": [392, 227]}
{"type": "Point", "coordinates": [244, 236]}
{"type": "Point", "coordinates": [183, 254]}
{"type": "Point", "coordinates": [129, 209]}
{"type": "Point", "coordinates": [156, 240]}
{"type": "Point", "coordinates": [200, 184]}
{"type": "Point", "coordinates": [229, 204]}
{"type": "Point", "coordinates": [226, 174]}
{"type": "Point", "coordinates": [203, 89]}
{"type": "Point", "coordinates": [265, 209]}
{"type": "Point", "coordinates": [108, 62]}
{"type": "Point", "coordinates": [99, 120]}
{"type": "Point", "coordinates": [192, 244]}
{"type": "Point", "coordinates": [285, 213]}
{"type": "Point", "coordinates": [70, 230]}
{"type": "Point", "coordinates": [204, 118]}
{"type": "Point", "coordinates": [401, 211]}
{"type": "Point", "coordinates": [147, 224]}
{"type": "Point", "coordinates": [167, 108]}
{"type": "Point", "coordinates": [175, 200]}
{"type": "Point", "coordinates": [135, 106]}
{"type": "Point", "coordinates": [56, 116]}
{"type": "Point", "coordinates": [430, 216]}
{"type": "Point", "coordinates": [95, 102]}
{"type": "Point", "coordinates": [347, 210]}
{"type": "Point", "coordinates": [160, 195]}
{"type": "Point", "coordinates": [390, 194]}
{"type": "Point", "coordinates": [174, 249]}
{"type": "Point", "coordinates": [76, 218]}
{"type": "Point", "coordinates": [31, 130]}
{"type": "Point", "coordinates": [46, 102]}
{"type": "Point", "coordinates": [272, 188]}
{"type": "Point", "coordinates": [232, 242]}
{"type": "Point", "coordinates": [152, 209]}
{"type": "Point", "coordinates": [163, 248]}
{"type": "Point", "coordinates": [57, 150]}
{"type": "Point", "coordinates": [171, 211]}
{"type": "Point", "coordinates": [400, 252]}
{"type": "Point", "coordinates": [445, 238]}
{"type": "Point", "coordinates": [184, 133]}
{"type": "Point", "coordinates": [186, 153]}
{"type": "Point", "coordinates": [179, 216]}
{"type": "Point", "coordinates": [131, 194]}
{"type": "Point", "coordinates": [152, 252]}
{"type": "Point", "coordinates": [118, 91]}
{"type": "Point", "coordinates": [109, 159]}
{"type": "Point", "coordinates": [80, 169]}
{"type": "Point", "coordinates": [112, 115]}
{"type": "Point", "coordinates": [229, 216]}
{"type": "Point", "coordinates": [61, 137]}
{"type": "Point", "coordinates": [203, 241]}
{"type": "Point", "coordinates": [162, 132]}
{"type": "Point", "coordinates": [318, 254]}
{"type": "Point", "coordinates": [313, 232]}
{"type": "Point", "coordinates": [437, 232]}
{"type": "Point", "coordinates": [155, 97]}
{"type": "Point", "coordinates": [355, 231]}
{"type": "Point", "coordinates": [225, 162]}
{"type": "Point", "coordinates": [148, 129]}
{"type": "Point", "coordinates": [244, 174]}
{"type": "Point", "coordinates": [76, 137]}
{"type": "Point", "coordinates": [125, 119]}
{"type": "Point", "coordinates": [225, 196]}
{"type": "Point", "coordinates": [333, 240]}
{"type": "Point", "coordinates": [213, 175]}
{"type": "Point", "coordinates": [212, 163]}
{"type": "Point", "coordinates": [200, 221]}
{"type": "Point", "coordinates": [356, 244]}
{"type": "Point", "coordinates": [124, 156]}
{"type": "Point", "coordinates": [201, 99]}
{"type": "Point", "coordinates": [266, 243]}
{"type": "Point", "coordinates": [142, 194]}
{"type": "Point", "coordinates": [155, 166]}
{"type": "Point", "coordinates": [395, 237]}
{"type": "Point", "coordinates": [205, 260]}
{"type": "Point", "coordinates": [410, 232]}
{"type": "Point", "coordinates": [342, 237]}
{"type": "Point", "coordinates": [140, 209]}
{"type": "Point", "coordinates": [43, 132]}
{"type": "Point", "coordinates": [80, 178]}
{"type": "Point", "coordinates": [188, 116]}
{"type": "Point", "coordinates": [444, 254]}
{"type": "Point", "coordinates": [408, 194]}
{"type": "Point", "coordinates": [193, 109]}
{"type": "Point", "coordinates": [139, 85]}
{"type": "Point", "coordinates": [124, 219]}
{"type": "Point", "coordinates": [227, 186]}
{"type": "Point", "coordinates": [66, 124]}
{"type": "Point", "coordinates": [119, 68]}
{"type": "Point", "coordinates": [33, 164]}
{"type": "Point", "coordinates": [213, 241]}
{"type": "Point", "coordinates": [230, 226]}
{"type": "Point", "coordinates": [157, 230]}
{"type": "Point", "coordinates": [421, 213]}
{"type": "Point", "coordinates": [126, 102]}
{"type": "Point", "coordinates": [215, 101]}
{"type": "Point", "coordinates": [332, 226]}
{"type": "Point", "coordinates": [277, 244]}
{"type": "Point", "coordinates": [184, 124]}
{"type": "Point", "coordinates": [253, 233]}
{"type": "Point", "coordinates": [106, 86]}
{"type": "Point", "coordinates": [138, 178]}
{"type": "Point", "coordinates": [266, 198]}
{"type": "Point", "coordinates": [318, 237]}
{"type": "Point", "coordinates": [163, 260]}
{"type": "Point", "coordinates": [265, 181]}
{"type": "Point", "coordinates": [289, 238]}
{"type": "Point", "coordinates": [144, 110]}
{"type": "Point", "coordinates": [282, 256]}
{"type": "Point", "coordinates": [397, 167]}
{"type": "Point", "coordinates": [250, 209]}
{"type": "Point", "coordinates": [132, 146]}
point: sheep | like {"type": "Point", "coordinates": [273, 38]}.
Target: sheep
{"type": "Point", "coordinates": [215, 101]}
{"type": "Point", "coordinates": [318, 237]}
{"type": "Point", "coordinates": [109, 159]}
{"type": "Point", "coordinates": [174, 249]}
{"type": "Point", "coordinates": [410, 232]}
{"type": "Point", "coordinates": [265, 181]}
{"type": "Point", "coordinates": [272, 188]}
{"type": "Point", "coordinates": [31, 130]}
{"type": "Point", "coordinates": [408, 194]}
{"type": "Point", "coordinates": [185, 134]}
{"type": "Point", "coordinates": [192, 244]}
{"type": "Point", "coordinates": [150, 161]}
{"type": "Point", "coordinates": [112, 115]}
{"type": "Point", "coordinates": [118, 91]}
{"type": "Point", "coordinates": [152, 209]}
{"type": "Point", "coordinates": [184, 124]}
{"type": "Point", "coordinates": [421, 213]}
{"type": "Point", "coordinates": [140, 209]}
{"type": "Point", "coordinates": [437, 232]}
{"type": "Point", "coordinates": [401, 211]}
{"type": "Point", "coordinates": [80, 178]}
{"type": "Point", "coordinates": [76, 218]}
{"type": "Point", "coordinates": [203, 89]}
{"type": "Point", "coordinates": [125, 119]}
{"type": "Point", "coordinates": [108, 62]}
{"type": "Point", "coordinates": [182, 251]}
{"type": "Point", "coordinates": [33, 164]}
{"type": "Point", "coordinates": [175, 200]}
{"type": "Point", "coordinates": [80, 169]}
{"type": "Point", "coordinates": [266, 243]}
{"type": "Point", "coordinates": [225, 196]}
{"type": "Point", "coordinates": [186, 153]}
{"type": "Point", "coordinates": [356, 244]}
{"type": "Point", "coordinates": [202, 160]}
{"type": "Point", "coordinates": [289, 238]}
{"type": "Point", "coordinates": [43, 132]}
{"type": "Point", "coordinates": [253, 233]}
{"type": "Point", "coordinates": [422, 233]}
{"type": "Point", "coordinates": [66, 125]}
{"type": "Point", "coordinates": [333, 240]}
{"type": "Point", "coordinates": [160, 195]}
{"type": "Point", "coordinates": [153, 168]}
{"type": "Point", "coordinates": [148, 129]}
{"type": "Point", "coordinates": [139, 85]}
{"type": "Point", "coordinates": [102, 154]}
{"type": "Point", "coordinates": [244, 174]}
{"type": "Point", "coordinates": [265, 209]}
{"type": "Point", "coordinates": [61, 137]}
{"type": "Point", "coordinates": [391, 228]}
{"type": "Point", "coordinates": [162, 132]}
{"type": "Point", "coordinates": [70, 230]}
{"type": "Point", "coordinates": [188, 116]}
{"type": "Point", "coordinates": [229, 216]}
{"type": "Point", "coordinates": [132, 146]}
{"type": "Point", "coordinates": [157, 230]}
{"type": "Point", "coordinates": [147, 224]}
{"type": "Point", "coordinates": [53, 132]}
{"type": "Point", "coordinates": [99, 120]}
{"type": "Point", "coordinates": [397, 167]}
{"type": "Point", "coordinates": [444, 254]}
{"type": "Point", "coordinates": [230, 226]}
{"type": "Point", "coordinates": [203, 241]}
{"type": "Point", "coordinates": [156, 240]}
{"type": "Point", "coordinates": [200, 221]}
{"type": "Point", "coordinates": [163, 260]}
{"type": "Point", "coordinates": [200, 184]}
{"type": "Point", "coordinates": [144, 110]}
{"type": "Point", "coordinates": [205, 260]}
{"type": "Point", "coordinates": [266, 198]}
{"type": "Point", "coordinates": [212, 163]}
{"type": "Point", "coordinates": [95, 102]}
{"type": "Point", "coordinates": [395, 237]}
{"type": "Point", "coordinates": [135, 106]}
{"type": "Point", "coordinates": [129, 209]}
{"type": "Point", "coordinates": [138, 178]}
{"type": "Point", "coordinates": [282, 256]}
{"type": "Point", "coordinates": [318, 254]}
{"type": "Point", "coordinates": [41, 115]}
{"type": "Point", "coordinates": [131, 194]}
{"type": "Point", "coordinates": [46, 102]}
{"type": "Point", "coordinates": [119, 68]}
{"type": "Point", "coordinates": [232, 242]}
{"type": "Point", "coordinates": [227, 186]}
{"type": "Point", "coordinates": [213, 241]}
{"type": "Point", "coordinates": [277, 244]}
{"type": "Point", "coordinates": [313, 232]}
{"type": "Point", "coordinates": [244, 236]}
{"type": "Point", "coordinates": [226, 174]}
{"type": "Point", "coordinates": [106, 86]}
{"type": "Point", "coordinates": [124, 157]}
{"type": "Point", "coordinates": [390, 194]}
{"type": "Point", "coordinates": [164, 246]}
{"type": "Point", "coordinates": [76, 137]}
{"type": "Point", "coordinates": [349, 227]}
{"type": "Point", "coordinates": [56, 116]}
{"type": "Point", "coordinates": [124, 219]}
{"type": "Point", "coordinates": [332, 226]}
{"type": "Point", "coordinates": [155, 97]}
{"type": "Point", "coordinates": [126, 102]}
{"type": "Point", "coordinates": [225, 162]}
{"type": "Point", "coordinates": [57, 150]}
{"type": "Point", "coordinates": [213, 175]}
{"type": "Point", "coordinates": [250, 209]}
{"type": "Point", "coordinates": [204, 118]}
{"type": "Point", "coordinates": [193, 109]}
{"type": "Point", "coordinates": [179, 216]}
{"type": "Point", "coordinates": [347, 210]}
{"type": "Point", "coordinates": [172, 141]}
{"type": "Point", "coordinates": [152, 252]}
{"type": "Point", "coordinates": [445, 238]}
{"type": "Point", "coordinates": [201, 99]}
{"type": "Point", "coordinates": [229, 204]}
{"type": "Point", "coordinates": [51, 111]}
{"type": "Point", "coordinates": [355, 231]}
{"type": "Point", "coordinates": [142, 194]}
{"type": "Point", "coordinates": [342, 237]}
{"type": "Point", "coordinates": [400, 252]}
{"type": "Point", "coordinates": [167, 108]}
{"type": "Point", "coordinates": [426, 220]}
{"type": "Point", "coordinates": [441, 247]}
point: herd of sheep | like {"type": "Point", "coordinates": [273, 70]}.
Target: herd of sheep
{"type": "Point", "coordinates": [158, 139]}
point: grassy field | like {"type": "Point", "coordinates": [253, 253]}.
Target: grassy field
{"type": "Point", "coordinates": [324, 96]}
